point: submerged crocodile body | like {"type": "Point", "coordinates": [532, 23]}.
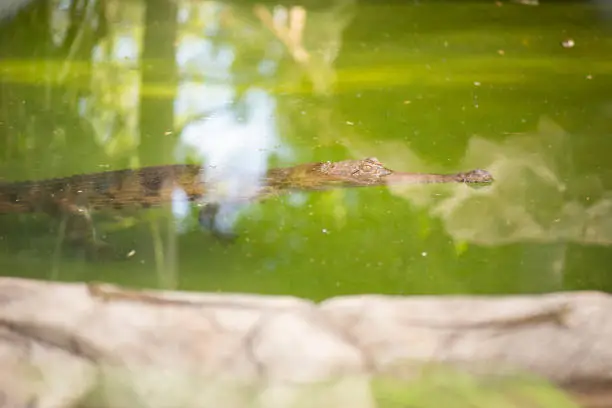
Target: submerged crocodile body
{"type": "Point", "coordinates": [76, 196]}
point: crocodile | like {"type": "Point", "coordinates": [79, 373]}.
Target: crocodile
{"type": "Point", "coordinates": [76, 197]}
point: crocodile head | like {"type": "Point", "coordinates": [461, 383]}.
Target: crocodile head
{"type": "Point", "coordinates": [366, 172]}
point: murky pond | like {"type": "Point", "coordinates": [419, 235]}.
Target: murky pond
{"type": "Point", "coordinates": [523, 91]}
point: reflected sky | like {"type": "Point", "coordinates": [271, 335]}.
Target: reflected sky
{"type": "Point", "coordinates": [237, 132]}
{"type": "Point", "coordinates": [229, 130]}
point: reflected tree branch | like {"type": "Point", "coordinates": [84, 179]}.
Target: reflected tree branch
{"type": "Point", "coordinates": [158, 69]}
{"type": "Point", "coordinates": [159, 72]}
{"type": "Point", "coordinates": [291, 35]}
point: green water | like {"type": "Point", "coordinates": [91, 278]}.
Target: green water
{"type": "Point", "coordinates": [522, 91]}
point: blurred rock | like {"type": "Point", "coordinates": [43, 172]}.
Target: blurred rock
{"type": "Point", "coordinates": [62, 345]}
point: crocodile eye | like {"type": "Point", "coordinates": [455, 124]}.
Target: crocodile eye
{"type": "Point", "coordinates": [366, 167]}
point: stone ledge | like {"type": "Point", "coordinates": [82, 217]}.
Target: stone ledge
{"type": "Point", "coordinates": [62, 345]}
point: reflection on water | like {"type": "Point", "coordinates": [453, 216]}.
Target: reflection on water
{"type": "Point", "coordinates": [529, 201]}
{"type": "Point", "coordinates": [237, 88]}
{"type": "Point", "coordinates": [237, 154]}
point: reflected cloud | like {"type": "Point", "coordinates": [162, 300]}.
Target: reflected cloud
{"type": "Point", "coordinates": [235, 148]}
{"type": "Point", "coordinates": [529, 202]}
{"type": "Point", "coordinates": [234, 130]}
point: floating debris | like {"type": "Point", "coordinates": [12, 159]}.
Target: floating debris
{"type": "Point", "coordinates": [568, 43]}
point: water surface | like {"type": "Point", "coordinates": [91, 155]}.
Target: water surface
{"type": "Point", "coordinates": [438, 86]}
